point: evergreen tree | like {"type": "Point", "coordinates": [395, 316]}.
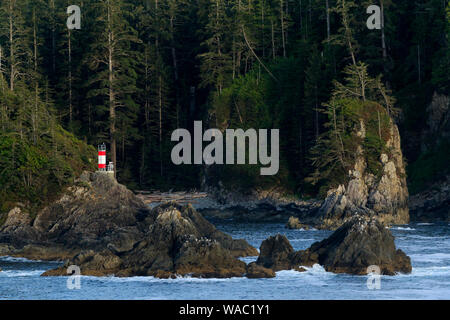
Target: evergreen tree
{"type": "Point", "coordinates": [112, 59]}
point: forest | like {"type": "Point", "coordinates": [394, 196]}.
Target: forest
{"type": "Point", "coordinates": [137, 70]}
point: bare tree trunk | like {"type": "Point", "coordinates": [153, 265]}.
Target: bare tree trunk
{"type": "Point", "coordinates": [273, 40]}
{"type": "Point", "coordinates": [174, 54]}
{"type": "Point", "coordinates": [175, 66]}
{"type": "Point", "coordinates": [316, 114]}
{"type": "Point", "coordinates": [1, 56]}
{"type": "Point", "coordinates": [11, 46]}
{"type": "Point", "coordinates": [234, 57]}
{"type": "Point", "coordinates": [383, 40]}
{"type": "Point", "coordinates": [111, 93]}
{"type": "Point", "coordinates": [282, 27]}
{"type": "Point", "coordinates": [52, 4]}
{"type": "Point", "coordinates": [35, 55]}
{"type": "Point", "coordinates": [70, 76]}
{"type": "Point", "coordinates": [262, 29]}
{"type": "Point", "coordinates": [328, 19]}
{"type": "Point", "coordinates": [160, 125]}
{"type": "Point", "coordinates": [147, 89]}
{"type": "Point", "coordinates": [383, 45]}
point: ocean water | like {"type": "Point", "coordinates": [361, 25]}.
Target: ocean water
{"type": "Point", "coordinates": [427, 244]}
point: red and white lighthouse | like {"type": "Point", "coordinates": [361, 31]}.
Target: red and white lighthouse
{"type": "Point", "coordinates": [102, 157]}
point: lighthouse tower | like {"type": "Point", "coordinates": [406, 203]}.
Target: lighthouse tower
{"type": "Point", "coordinates": [102, 167]}
{"type": "Point", "coordinates": [102, 157]}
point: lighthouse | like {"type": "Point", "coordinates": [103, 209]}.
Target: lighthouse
{"type": "Point", "coordinates": [102, 166]}
{"type": "Point", "coordinates": [102, 157]}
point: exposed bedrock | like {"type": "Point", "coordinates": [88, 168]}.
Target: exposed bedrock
{"type": "Point", "coordinates": [95, 212]}
{"type": "Point", "coordinates": [105, 229]}
{"type": "Point", "coordinates": [294, 223]}
{"type": "Point", "coordinates": [384, 197]}
{"type": "Point", "coordinates": [179, 241]}
{"type": "Point", "coordinates": [359, 243]}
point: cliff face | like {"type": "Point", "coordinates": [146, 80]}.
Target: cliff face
{"type": "Point", "coordinates": [384, 197]}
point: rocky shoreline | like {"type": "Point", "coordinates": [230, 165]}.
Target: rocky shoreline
{"type": "Point", "coordinates": [432, 204]}
{"type": "Point", "coordinates": [103, 228]}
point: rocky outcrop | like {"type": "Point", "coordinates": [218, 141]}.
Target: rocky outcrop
{"type": "Point", "coordinates": [95, 212]}
{"type": "Point", "coordinates": [384, 197]}
{"type": "Point", "coordinates": [105, 229]}
{"type": "Point", "coordinates": [179, 241]}
{"type": "Point", "coordinates": [359, 243]}
{"type": "Point", "coordinates": [294, 223]}
{"type": "Point", "coordinates": [432, 204]}
{"type": "Point", "coordinates": [255, 270]}
{"type": "Point", "coordinates": [253, 205]}
{"type": "Point", "coordinates": [18, 223]}
{"type": "Point", "coordinates": [275, 253]}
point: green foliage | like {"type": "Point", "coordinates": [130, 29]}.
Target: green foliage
{"type": "Point", "coordinates": [234, 63]}
{"type": "Point", "coordinates": [429, 168]}
{"type": "Point", "coordinates": [354, 125]}
{"type": "Point", "coordinates": [36, 165]}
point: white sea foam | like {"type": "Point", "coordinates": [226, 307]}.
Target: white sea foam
{"type": "Point", "coordinates": [19, 259]}
{"type": "Point", "coordinates": [430, 238]}
{"type": "Point", "coordinates": [314, 276]}
{"type": "Point", "coordinates": [14, 259]}
{"type": "Point", "coordinates": [149, 279]}
{"type": "Point", "coordinates": [403, 228]}
{"type": "Point", "coordinates": [20, 273]}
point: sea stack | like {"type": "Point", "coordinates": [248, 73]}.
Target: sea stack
{"type": "Point", "coordinates": [383, 196]}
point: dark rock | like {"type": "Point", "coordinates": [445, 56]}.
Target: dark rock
{"type": "Point", "coordinates": [294, 223]}
{"type": "Point", "coordinates": [432, 203]}
{"type": "Point", "coordinates": [94, 213]}
{"type": "Point", "coordinates": [255, 270]}
{"type": "Point", "coordinates": [102, 227]}
{"type": "Point", "coordinates": [361, 242]}
{"type": "Point", "coordinates": [358, 244]}
{"type": "Point", "coordinates": [275, 253]}
{"type": "Point", "coordinates": [179, 241]}
{"type": "Point", "coordinates": [252, 205]}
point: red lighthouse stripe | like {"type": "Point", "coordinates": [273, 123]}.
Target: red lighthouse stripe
{"type": "Point", "coordinates": [101, 166]}
{"type": "Point", "coordinates": [102, 153]}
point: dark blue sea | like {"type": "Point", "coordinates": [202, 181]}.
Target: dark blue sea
{"type": "Point", "coordinates": [427, 244]}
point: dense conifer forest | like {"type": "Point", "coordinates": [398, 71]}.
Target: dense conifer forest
{"type": "Point", "coordinates": [138, 69]}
